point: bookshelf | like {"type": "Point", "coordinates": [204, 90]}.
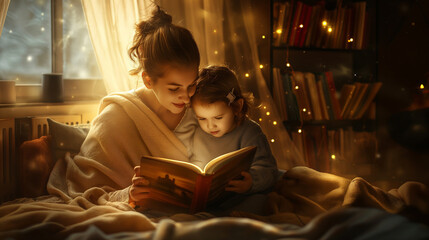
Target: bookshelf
{"type": "Point", "coordinates": [323, 62]}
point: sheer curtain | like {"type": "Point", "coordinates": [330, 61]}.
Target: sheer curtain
{"type": "Point", "coordinates": [4, 4]}
{"type": "Point", "coordinates": [111, 26]}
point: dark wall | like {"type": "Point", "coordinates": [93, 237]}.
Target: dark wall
{"type": "Point", "coordinates": [403, 64]}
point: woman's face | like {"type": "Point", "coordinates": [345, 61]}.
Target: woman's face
{"type": "Point", "coordinates": [174, 89]}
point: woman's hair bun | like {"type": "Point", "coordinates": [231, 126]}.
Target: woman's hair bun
{"type": "Point", "coordinates": [159, 19]}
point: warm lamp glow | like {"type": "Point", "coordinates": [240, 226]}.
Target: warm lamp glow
{"type": "Point", "coordinates": [263, 36]}
{"type": "Point", "coordinates": [324, 23]}
{"type": "Point", "coordinates": [287, 64]}
{"type": "Point", "coordinates": [301, 25]}
{"type": "Point", "coordinates": [350, 40]}
{"type": "Point", "coordinates": [304, 109]}
{"type": "Point", "coordinates": [260, 119]}
{"type": "Point", "coordinates": [261, 66]}
{"type": "Point", "coordinates": [268, 113]}
{"type": "Point", "coordinates": [275, 123]}
{"type": "Point", "coordinates": [279, 31]}
{"type": "Point", "coordinates": [247, 75]}
{"type": "Point", "coordinates": [296, 87]}
{"type": "Point", "coordinates": [333, 156]}
{"type": "Point", "coordinates": [330, 29]}
{"type": "Point", "coordinates": [299, 130]}
{"type": "Point", "coordinates": [422, 86]}
{"type": "Point", "coordinates": [272, 139]}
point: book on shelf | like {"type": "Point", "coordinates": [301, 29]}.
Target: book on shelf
{"type": "Point", "coordinates": [346, 95]}
{"type": "Point", "coordinates": [322, 100]}
{"type": "Point", "coordinates": [305, 21]}
{"type": "Point", "coordinates": [316, 109]}
{"type": "Point", "coordinates": [329, 79]}
{"type": "Point", "coordinates": [293, 112]}
{"type": "Point", "coordinates": [295, 23]}
{"type": "Point", "coordinates": [356, 100]}
{"type": "Point", "coordinates": [369, 97]}
{"type": "Point", "coordinates": [300, 91]}
{"type": "Point", "coordinates": [279, 94]}
{"type": "Point", "coordinates": [187, 186]}
{"type": "Point", "coordinates": [313, 25]}
{"type": "Point", "coordinates": [281, 13]}
{"type": "Point", "coordinates": [326, 94]}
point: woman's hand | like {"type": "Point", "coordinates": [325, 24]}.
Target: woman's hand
{"type": "Point", "coordinates": [240, 186]}
{"type": "Point", "coordinates": [139, 187]}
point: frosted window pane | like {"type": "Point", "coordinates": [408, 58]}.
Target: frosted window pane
{"type": "Point", "coordinates": [25, 43]}
{"type": "Point", "coordinates": [79, 57]}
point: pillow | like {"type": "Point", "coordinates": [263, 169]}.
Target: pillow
{"type": "Point", "coordinates": [66, 138]}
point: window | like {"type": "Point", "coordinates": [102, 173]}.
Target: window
{"type": "Point", "coordinates": [28, 48]}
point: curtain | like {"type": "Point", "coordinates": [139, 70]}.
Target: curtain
{"type": "Point", "coordinates": [111, 25]}
{"type": "Point", "coordinates": [4, 4]}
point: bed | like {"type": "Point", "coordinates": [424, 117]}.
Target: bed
{"type": "Point", "coordinates": [305, 204]}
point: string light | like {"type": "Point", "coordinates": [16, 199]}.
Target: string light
{"type": "Point", "coordinates": [247, 75]}
{"type": "Point", "coordinates": [300, 130]}
{"type": "Point", "coordinates": [264, 107]}
{"type": "Point", "coordinates": [279, 31]}
{"type": "Point", "coordinates": [287, 64]}
{"type": "Point", "coordinates": [10, 31]}
{"type": "Point", "coordinates": [304, 109]}
{"type": "Point", "coordinates": [260, 119]}
{"type": "Point", "coordinates": [216, 52]}
{"type": "Point", "coordinates": [272, 140]}
{"type": "Point", "coordinates": [275, 123]}
{"type": "Point", "coordinates": [43, 14]}
{"type": "Point", "coordinates": [333, 156]}
{"type": "Point", "coordinates": [42, 29]}
{"type": "Point", "coordinates": [263, 36]}
{"type": "Point", "coordinates": [350, 40]}
{"type": "Point", "coordinates": [29, 58]}
{"type": "Point", "coordinates": [301, 25]}
{"type": "Point", "coordinates": [330, 29]}
{"type": "Point", "coordinates": [296, 87]}
{"type": "Point", "coordinates": [214, 31]}
{"type": "Point", "coordinates": [422, 86]}
{"type": "Point", "coordinates": [261, 66]}
{"type": "Point", "coordinates": [324, 23]}
{"type": "Point", "coordinates": [268, 113]}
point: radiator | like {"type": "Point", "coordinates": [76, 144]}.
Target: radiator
{"type": "Point", "coordinates": [7, 160]}
{"type": "Point", "coordinates": [13, 132]}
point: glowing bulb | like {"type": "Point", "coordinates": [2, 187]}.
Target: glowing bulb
{"type": "Point", "coordinates": [268, 113]}
{"type": "Point", "coordinates": [263, 36]}
{"type": "Point", "coordinates": [301, 25]}
{"type": "Point", "coordinates": [330, 29]}
{"type": "Point", "coordinates": [350, 40]}
{"type": "Point", "coordinates": [296, 87]}
{"type": "Point", "coordinates": [214, 31]}
{"type": "Point", "coordinates": [216, 52]}
{"type": "Point", "coordinates": [247, 75]}
{"type": "Point", "coordinates": [261, 66]}
{"type": "Point", "coordinates": [422, 86]}
{"type": "Point", "coordinates": [304, 109]}
{"type": "Point", "coordinates": [10, 31]}
{"type": "Point", "coordinates": [279, 31]}
{"type": "Point", "coordinates": [272, 139]}
{"type": "Point", "coordinates": [265, 107]}
{"type": "Point", "coordinates": [324, 23]}
{"type": "Point", "coordinates": [275, 123]}
{"type": "Point", "coordinates": [287, 64]}
{"type": "Point", "coordinates": [43, 14]}
{"type": "Point", "coordinates": [260, 119]}
{"type": "Point", "coordinates": [42, 29]}
{"type": "Point", "coordinates": [299, 130]}
{"type": "Point", "coordinates": [333, 156]}
{"type": "Point", "coordinates": [29, 58]}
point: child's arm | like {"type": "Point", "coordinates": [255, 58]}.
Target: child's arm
{"type": "Point", "coordinates": [240, 186]}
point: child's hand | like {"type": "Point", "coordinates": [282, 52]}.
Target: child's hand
{"type": "Point", "coordinates": [240, 186]}
{"type": "Point", "coordinates": [139, 187]}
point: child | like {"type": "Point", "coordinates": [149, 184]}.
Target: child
{"type": "Point", "coordinates": [221, 111]}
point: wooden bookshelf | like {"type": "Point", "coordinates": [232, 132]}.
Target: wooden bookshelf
{"type": "Point", "coordinates": [332, 131]}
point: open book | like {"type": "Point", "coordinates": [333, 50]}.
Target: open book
{"type": "Point", "coordinates": [186, 185]}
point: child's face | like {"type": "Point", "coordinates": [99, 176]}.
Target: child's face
{"type": "Point", "coordinates": [174, 89]}
{"type": "Point", "coordinates": [215, 118]}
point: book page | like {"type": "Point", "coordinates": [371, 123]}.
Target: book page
{"type": "Point", "coordinates": [236, 156]}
